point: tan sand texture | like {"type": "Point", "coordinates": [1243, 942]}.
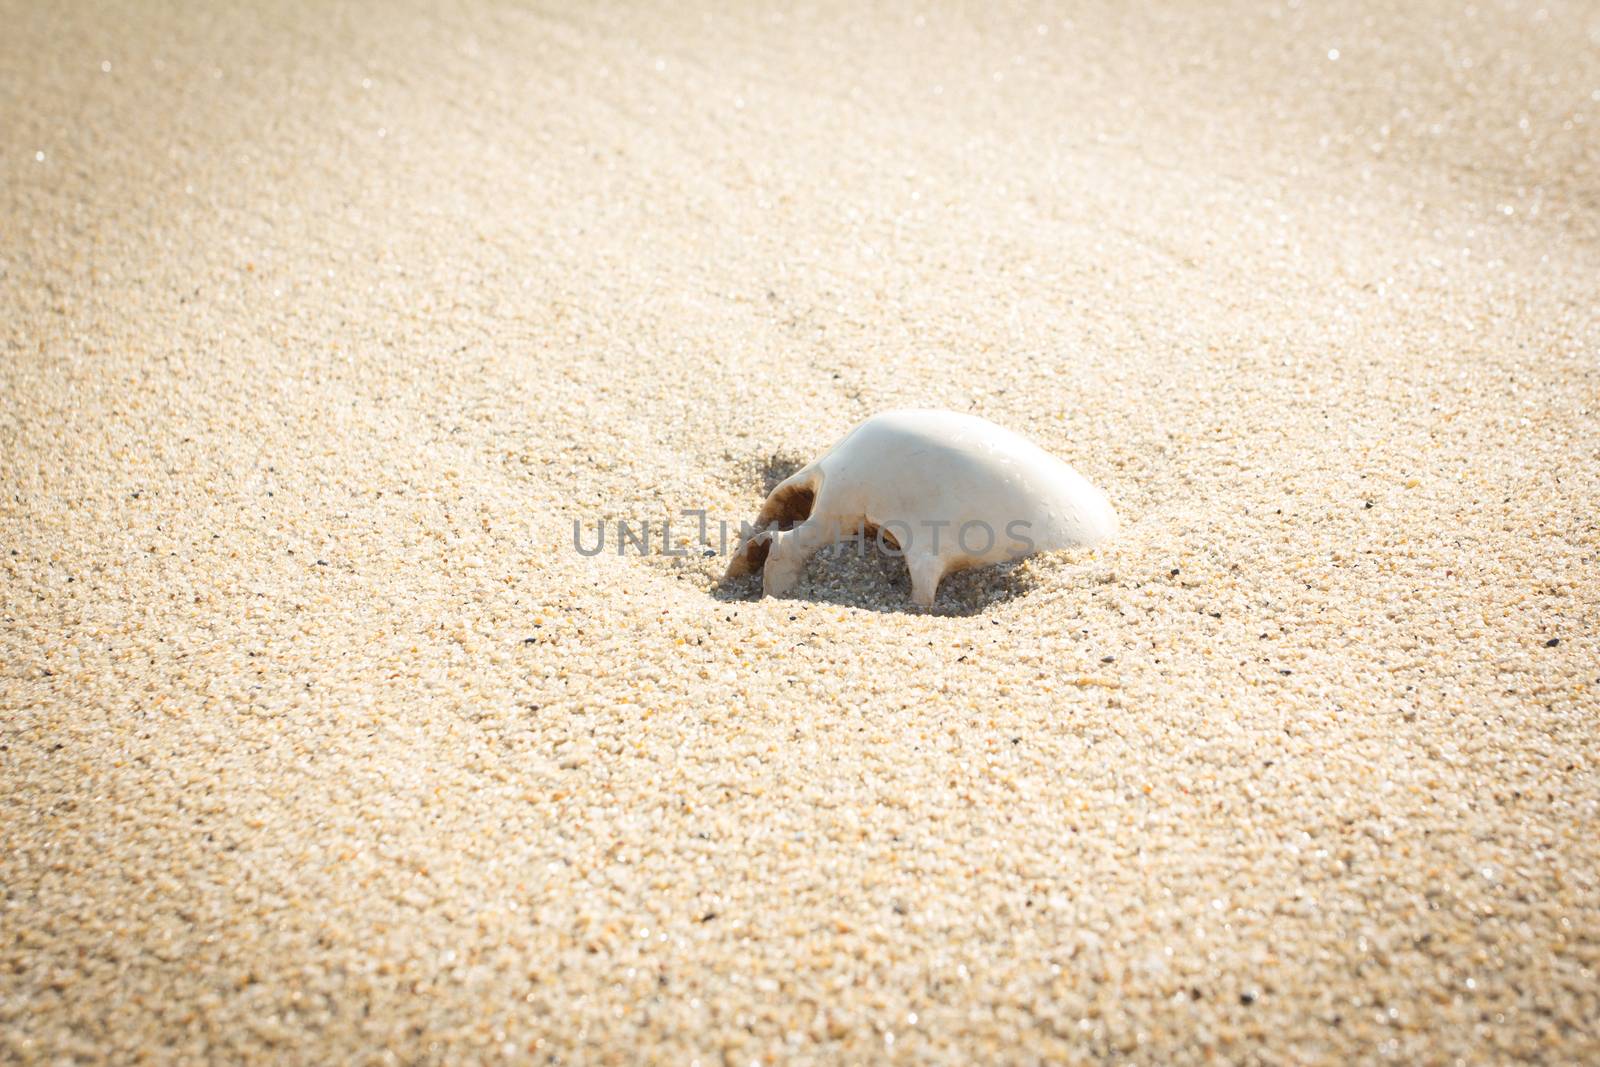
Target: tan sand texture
{"type": "Point", "coordinates": [321, 323]}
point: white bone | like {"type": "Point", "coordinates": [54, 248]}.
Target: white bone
{"type": "Point", "coordinates": [949, 491]}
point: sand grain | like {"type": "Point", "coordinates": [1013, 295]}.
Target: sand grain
{"type": "Point", "coordinates": [323, 322]}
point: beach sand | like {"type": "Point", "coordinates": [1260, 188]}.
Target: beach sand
{"type": "Point", "coordinates": [324, 323]}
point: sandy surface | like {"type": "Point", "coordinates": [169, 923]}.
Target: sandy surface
{"type": "Point", "coordinates": [322, 323]}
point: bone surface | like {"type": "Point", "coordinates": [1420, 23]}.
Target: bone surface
{"type": "Point", "coordinates": [944, 489]}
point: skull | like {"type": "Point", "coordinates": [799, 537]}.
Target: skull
{"type": "Point", "coordinates": [945, 490]}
